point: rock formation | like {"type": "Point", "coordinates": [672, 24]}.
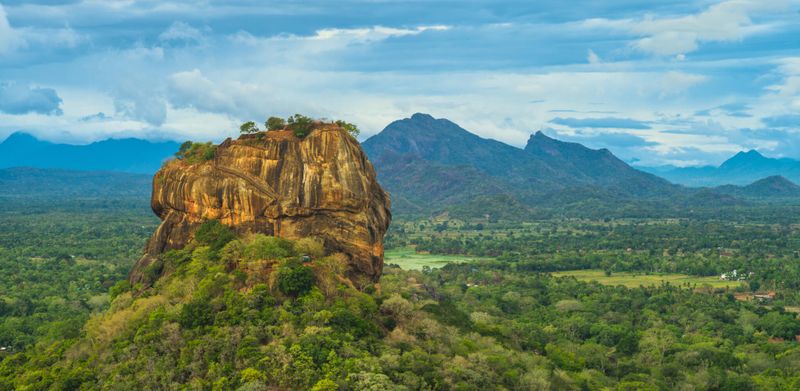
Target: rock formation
{"type": "Point", "coordinates": [277, 184]}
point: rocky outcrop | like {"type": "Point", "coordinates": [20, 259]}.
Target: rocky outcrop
{"type": "Point", "coordinates": [274, 183]}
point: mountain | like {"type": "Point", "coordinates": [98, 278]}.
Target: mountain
{"type": "Point", "coordinates": [429, 163]}
{"type": "Point", "coordinates": [770, 187]}
{"type": "Point", "coordinates": [741, 169]}
{"type": "Point", "coordinates": [595, 167]}
{"type": "Point", "coordinates": [124, 155]}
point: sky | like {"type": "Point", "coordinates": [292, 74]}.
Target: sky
{"type": "Point", "coordinates": [656, 82]}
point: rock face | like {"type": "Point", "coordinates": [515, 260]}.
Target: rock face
{"type": "Point", "coordinates": [321, 185]}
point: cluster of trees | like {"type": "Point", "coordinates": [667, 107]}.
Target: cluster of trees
{"type": "Point", "coordinates": [480, 326]}
{"type": "Point", "coordinates": [695, 247]}
{"type": "Point", "coordinates": [58, 260]}
{"type": "Point", "coordinates": [231, 312]}
{"type": "Point", "coordinates": [194, 153]}
{"type": "Point", "coordinates": [298, 124]}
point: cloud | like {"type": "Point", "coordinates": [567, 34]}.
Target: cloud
{"type": "Point", "coordinates": [9, 38]}
{"type": "Point", "coordinates": [625, 145]}
{"type": "Point", "coordinates": [101, 116]}
{"type": "Point", "coordinates": [782, 121]}
{"type": "Point", "coordinates": [730, 109]}
{"type": "Point", "coordinates": [343, 35]}
{"type": "Point", "coordinates": [21, 99]}
{"type": "Point", "coordinates": [726, 21]}
{"type": "Point", "coordinates": [608, 122]}
{"type": "Point", "coordinates": [181, 32]}
{"type": "Point", "coordinates": [140, 104]}
{"type": "Point", "coordinates": [371, 34]}
{"type": "Point", "coordinates": [12, 39]}
{"type": "Point", "coordinates": [193, 89]}
{"type": "Point", "coordinates": [592, 57]}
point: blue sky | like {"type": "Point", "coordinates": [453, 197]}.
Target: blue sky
{"type": "Point", "coordinates": [657, 82]}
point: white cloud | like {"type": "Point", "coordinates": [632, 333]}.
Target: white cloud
{"type": "Point", "coordinates": [727, 21]}
{"type": "Point", "coordinates": [9, 38]}
{"type": "Point", "coordinates": [371, 34]}
{"type": "Point", "coordinates": [181, 31]}
{"type": "Point", "coordinates": [12, 39]}
{"type": "Point", "coordinates": [592, 57]}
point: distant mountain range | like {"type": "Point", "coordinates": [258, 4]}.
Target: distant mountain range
{"type": "Point", "coordinates": [431, 165]}
{"type": "Point", "coordinates": [124, 155]}
{"type": "Point", "coordinates": [741, 169]}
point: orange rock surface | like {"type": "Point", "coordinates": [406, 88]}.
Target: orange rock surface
{"type": "Point", "coordinates": [276, 184]}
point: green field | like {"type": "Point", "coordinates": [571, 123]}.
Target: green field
{"type": "Point", "coordinates": [633, 280]}
{"type": "Point", "coordinates": [409, 259]}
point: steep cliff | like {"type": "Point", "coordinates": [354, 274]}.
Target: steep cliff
{"type": "Point", "coordinates": [275, 183]}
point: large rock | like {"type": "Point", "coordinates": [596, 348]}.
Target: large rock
{"type": "Point", "coordinates": [322, 185]}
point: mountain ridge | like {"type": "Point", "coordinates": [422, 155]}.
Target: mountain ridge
{"type": "Point", "coordinates": [132, 155]}
{"type": "Point", "coordinates": [743, 168]}
{"type": "Point", "coordinates": [480, 167]}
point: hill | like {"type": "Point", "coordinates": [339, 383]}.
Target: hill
{"type": "Point", "coordinates": [429, 163]}
{"type": "Point", "coordinates": [741, 169]}
{"type": "Point", "coordinates": [770, 187]}
{"type": "Point", "coordinates": [123, 155]}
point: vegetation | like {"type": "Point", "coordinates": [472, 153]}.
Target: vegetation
{"type": "Point", "coordinates": [194, 153]}
{"type": "Point", "coordinates": [59, 259]}
{"type": "Point", "coordinates": [634, 279]}
{"type": "Point", "coordinates": [248, 127]}
{"type": "Point", "coordinates": [765, 255]}
{"type": "Point", "coordinates": [599, 304]}
{"type": "Point", "coordinates": [350, 128]}
{"type": "Point", "coordinates": [300, 125]}
{"type": "Point", "coordinates": [482, 325]}
{"type": "Point", "coordinates": [409, 259]}
{"type": "Point", "coordinates": [275, 123]}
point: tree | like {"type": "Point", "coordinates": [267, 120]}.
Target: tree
{"type": "Point", "coordinates": [350, 128]}
{"type": "Point", "coordinates": [294, 279]}
{"type": "Point", "coordinates": [275, 123]}
{"type": "Point", "coordinates": [195, 313]}
{"type": "Point", "coordinates": [184, 149]}
{"type": "Point", "coordinates": [194, 153]}
{"type": "Point", "coordinates": [248, 127]}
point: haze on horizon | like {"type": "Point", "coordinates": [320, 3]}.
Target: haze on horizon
{"type": "Point", "coordinates": [678, 82]}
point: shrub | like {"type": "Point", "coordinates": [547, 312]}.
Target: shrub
{"type": "Point", "coordinates": [310, 246]}
{"type": "Point", "coordinates": [260, 246]}
{"type": "Point", "coordinates": [275, 123]}
{"type": "Point", "coordinates": [118, 288]}
{"type": "Point", "coordinates": [152, 271]}
{"type": "Point", "coordinates": [294, 279]}
{"type": "Point", "coordinates": [300, 125]}
{"type": "Point", "coordinates": [214, 234]}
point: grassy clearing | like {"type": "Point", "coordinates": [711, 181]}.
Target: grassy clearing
{"type": "Point", "coordinates": [409, 259]}
{"type": "Point", "coordinates": [633, 280]}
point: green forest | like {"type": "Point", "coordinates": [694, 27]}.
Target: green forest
{"type": "Point", "coordinates": [247, 313]}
